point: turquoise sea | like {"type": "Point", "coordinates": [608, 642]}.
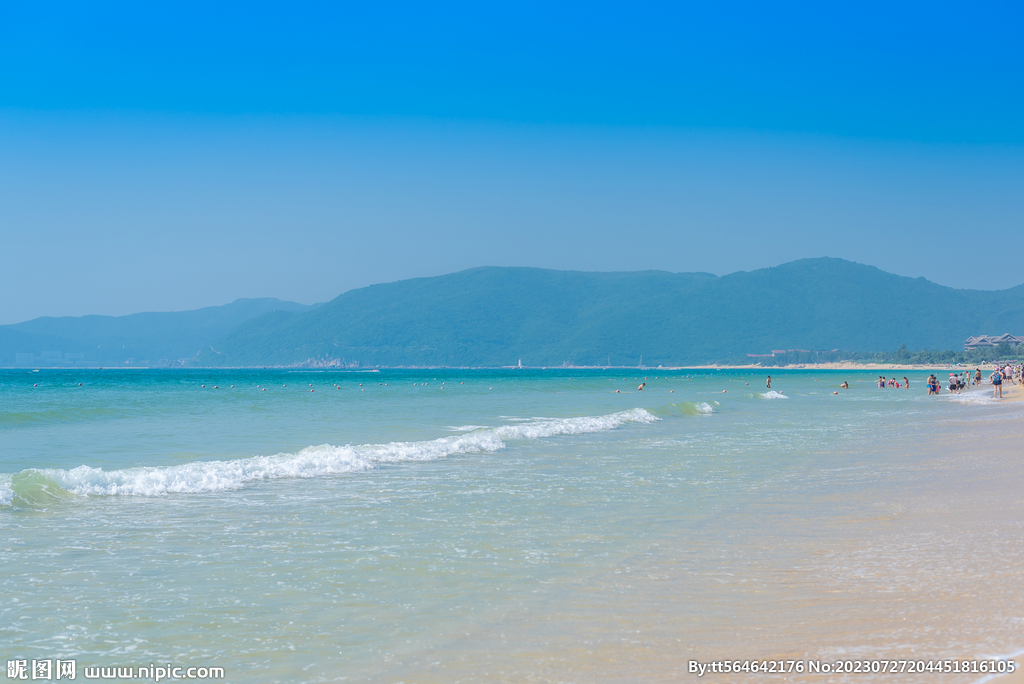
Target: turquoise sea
{"type": "Point", "coordinates": [512, 525]}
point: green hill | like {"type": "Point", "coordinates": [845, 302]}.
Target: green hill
{"type": "Point", "coordinates": [495, 316]}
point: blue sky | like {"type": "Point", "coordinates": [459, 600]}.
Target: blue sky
{"type": "Point", "coordinates": [170, 156]}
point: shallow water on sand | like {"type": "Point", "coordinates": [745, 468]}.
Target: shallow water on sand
{"type": "Point", "coordinates": [501, 525]}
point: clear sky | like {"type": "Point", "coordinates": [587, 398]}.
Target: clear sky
{"type": "Point", "coordinates": [176, 155]}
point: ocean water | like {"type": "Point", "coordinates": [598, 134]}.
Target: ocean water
{"type": "Point", "coordinates": [518, 525]}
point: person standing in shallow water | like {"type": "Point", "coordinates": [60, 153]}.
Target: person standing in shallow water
{"type": "Point", "coordinates": [768, 382]}
{"type": "Point", "coordinates": [997, 384]}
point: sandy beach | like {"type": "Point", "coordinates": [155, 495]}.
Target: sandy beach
{"type": "Point", "coordinates": [937, 553]}
{"type": "Point", "coordinates": [1011, 392]}
{"type": "Point", "coordinates": [1015, 678]}
{"type": "Point", "coordinates": [852, 366]}
{"type": "Point", "coordinates": [876, 577]}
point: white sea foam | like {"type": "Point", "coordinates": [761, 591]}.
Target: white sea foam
{"type": "Point", "coordinates": [6, 490]}
{"type": "Point", "coordinates": [314, 461]}
{"type": "Point", "coordinates": [573, 426]}
{"type": "Point", "coordinates": [1005, 656]}
{"type": "Point", "coordinates": [705, 407]}
{"type": "Point", "coordinates": [978, 396]}
{"type": "Point", "coordinates": [466, 428]}
{"type": "Point", "coordinates": [772, 394]}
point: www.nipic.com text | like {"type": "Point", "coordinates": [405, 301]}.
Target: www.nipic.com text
{"type": "Point", "coordinates": [68, 670]}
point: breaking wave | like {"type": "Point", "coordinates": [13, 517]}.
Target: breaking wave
{"type": "Point", "coordinates": [686, 408]}
{"type": "Point", "coordinates": [772, 394]}
{"type": "Point", "coordinates": [6, 490]}
{"type": "Point", "coordinates": [37, 486]}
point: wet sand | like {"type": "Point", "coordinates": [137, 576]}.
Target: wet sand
{"type": "Point", "coordinates": [846, 365]}
{"type": "Point", "coordinates": [921, 561]}
{"type": "Point", "coordinates": [1015, 678]}
{"type": "Point", "coordinates": [937, 572]}
{"type": "Point", "coordinates": [1011, 392]}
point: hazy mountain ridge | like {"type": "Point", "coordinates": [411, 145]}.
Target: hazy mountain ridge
{"type": "Point", "coordinates": [151, 338]}
{"type": "Point", "coordinates": [495, 316]}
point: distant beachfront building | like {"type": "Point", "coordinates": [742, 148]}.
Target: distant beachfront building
{"type": "Point", "coordinates": [985, 341]}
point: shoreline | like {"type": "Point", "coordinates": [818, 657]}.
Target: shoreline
{"type": "Point", "coordinates": [1011, 393]}
{"type": "Point", "coordinates": [889, 526]}
{"type": "Point", "coordinates": [899, 557]}
{"type": "Point", "coordinates": [834, 365]}
{"type": "Point", "coordinates": [850, 365]}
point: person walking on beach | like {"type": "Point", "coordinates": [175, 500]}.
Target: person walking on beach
{"type": "Point", "coordinates": [997, 384]}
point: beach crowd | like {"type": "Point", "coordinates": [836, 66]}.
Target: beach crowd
{"type": "Point", "coordinates": [1004, 373]}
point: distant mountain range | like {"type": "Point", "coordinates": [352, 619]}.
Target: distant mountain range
{"type": "Point", "coordinates": [497, 316]}
{"type": "Point", "coordinates": [142, 339]}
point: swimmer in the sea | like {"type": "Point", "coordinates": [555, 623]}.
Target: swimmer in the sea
{"type": "Point", "coordinates": [845, 385]}
{"type": "Point", "coordinates": [641, 387]}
